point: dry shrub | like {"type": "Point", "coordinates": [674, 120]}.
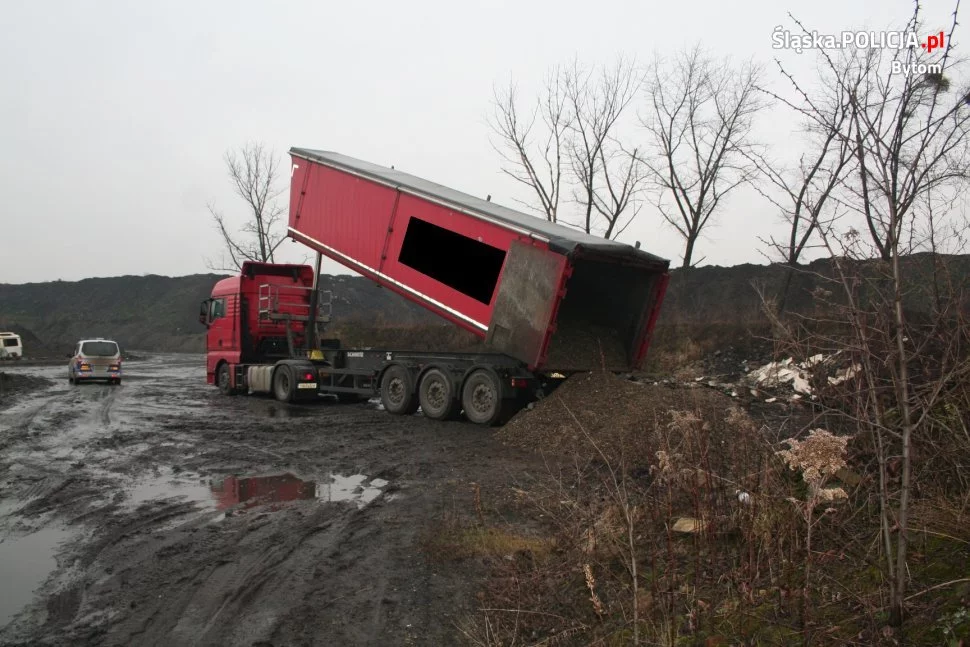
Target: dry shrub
{"type": "Point", "coordinates": [663, 455]}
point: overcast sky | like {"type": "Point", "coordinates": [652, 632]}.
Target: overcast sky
{"type": "Point", "coordinates": [114, 115]}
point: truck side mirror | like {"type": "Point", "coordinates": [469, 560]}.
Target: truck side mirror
{"type": "Point", "coordinates": [204, 313]}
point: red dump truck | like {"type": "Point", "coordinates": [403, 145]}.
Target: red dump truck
{"type": "Point", "coordinates": [546, 299]}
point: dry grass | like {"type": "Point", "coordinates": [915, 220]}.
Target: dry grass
{"type": "Point", "coordinates": [491, 542]}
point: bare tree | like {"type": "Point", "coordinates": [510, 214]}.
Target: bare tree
{"type": "Point", "coordinates": [538, 165]}
{"type": "Point", "coordinates": [571, 137]}
{"type": "Point", "coordinates": [699, 114]}
{"type": "Point", "coordinates": [907, 134]}
{"type": "Point", "coordinates": [802, 194]}
{"type": "Point", "coordinates": [254, 173]}
{"type": "Point", "coordinates": [608, 178]}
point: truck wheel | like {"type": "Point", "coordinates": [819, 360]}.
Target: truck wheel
{"type": "Point", "coordinates": [397, 391]}
{"type": "Point", "coordinates": [223, 380]}
{"type": "Point", "coordinates": [437, 396]}
{"type": "Point", "coordinates": [481, 398]}
{"type": "Point", "coordinates": [284, 386]}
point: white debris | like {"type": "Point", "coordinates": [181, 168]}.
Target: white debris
{"type": "Point", "coordinates": [847, 373]}
{"type": "Point", "coordinates": [688, 525]}
{"type": "Point", "coordinates": [777, 373]}
{"type": "Point", "coordinates": [815, 360]}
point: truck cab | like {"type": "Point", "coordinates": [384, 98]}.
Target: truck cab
{"type": "Point", "coordinates": [258, 317]}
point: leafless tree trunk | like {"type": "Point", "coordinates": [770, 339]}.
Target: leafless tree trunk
{"type": "Point", "coordinates": [908, 138]}
{"type": "Point", "coordinates": [540, 165]}
{"type": "Point", "coordinates": [254, 172]}
{"type": "Point", "coordinates": [699, 114]}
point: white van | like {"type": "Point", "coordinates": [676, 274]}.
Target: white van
{"type": "Point", "coordinates": [10, 346]}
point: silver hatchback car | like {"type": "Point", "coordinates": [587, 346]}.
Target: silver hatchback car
{"type": "Point", "coordinates": [95, 359]}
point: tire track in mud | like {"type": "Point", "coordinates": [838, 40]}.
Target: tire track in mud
{"type": "Point", "coordinates": [305, 572]}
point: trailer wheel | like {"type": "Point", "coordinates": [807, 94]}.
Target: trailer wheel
{"type": "Point", "coordinates": [223, 380]}
{"type": "Point", "coordinates": [437, 396]}
{"type": "Point", "coordinates": [284, 386]}
{"type": "Point", "coordinates": [397, 391]}
{"type": "Point", "coordinates": [481, 397]}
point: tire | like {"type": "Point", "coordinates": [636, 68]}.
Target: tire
{"type": "Point", "coordinates": [481, 398]}
{"type": "Point", "coordinates": [223, 380]}
{"type": "Point", "coordinates": [284, 384]}
{"type": "Point", "coordinates": [117, 381]}
{"type": "Point", "coordinates": [436, 394]}
{"type": "Point", "coordinates": [397, 391]}
{"type": "Point", "coordinates": [70, 379]}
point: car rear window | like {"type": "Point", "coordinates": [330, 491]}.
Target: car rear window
{"type": "Point", "coordinates": [99, 348]}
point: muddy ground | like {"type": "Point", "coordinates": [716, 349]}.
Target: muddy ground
{"type": "Point", "coordinates": [161, 513]}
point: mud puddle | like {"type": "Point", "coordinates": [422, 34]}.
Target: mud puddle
{"type": "Point", "coordinates": [251, 491]}
{"type": "Point", "coordinates": [25, 562]}
{"type": "Point", "coordinates": [166, 485]}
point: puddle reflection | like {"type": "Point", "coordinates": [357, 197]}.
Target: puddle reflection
{"type": "Point", "coordinates": [259, 490]}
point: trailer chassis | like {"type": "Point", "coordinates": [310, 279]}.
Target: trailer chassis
{"type": "Point", "coordinates": [488, 387]}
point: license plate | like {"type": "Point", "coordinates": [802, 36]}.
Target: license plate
{"type": "Point", "coordinates": [307, 385]}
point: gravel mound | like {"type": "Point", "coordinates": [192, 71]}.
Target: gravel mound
{"type": "Point", "coordinates": [620, 416]}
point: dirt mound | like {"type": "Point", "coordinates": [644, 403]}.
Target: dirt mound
{"type": "Point", "coordinates": [623, 418]}
{"type": "Point", "coordinates": [12, 384]}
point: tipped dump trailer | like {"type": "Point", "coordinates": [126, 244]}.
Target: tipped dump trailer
{"type": "Point", "coordinates": [546, 299]}
{"type": "Point", "coordinates": [550, 296]}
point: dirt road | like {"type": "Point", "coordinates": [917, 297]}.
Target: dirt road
{"type": "Point", "coordinates": [161, 513]}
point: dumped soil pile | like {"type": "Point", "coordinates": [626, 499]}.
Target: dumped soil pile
{"type": "Point", "coordinates": [626, 420]}
{"type": "Point", "coordinates": [584, 347]}
{"type": "Point", "coordinates": [13, 384]}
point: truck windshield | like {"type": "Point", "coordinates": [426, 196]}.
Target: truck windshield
{"type": "Point", "coordinates": [99, 348]}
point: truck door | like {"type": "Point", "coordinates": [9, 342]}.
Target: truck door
{"type": "Point", "coordinates": [220, 336]}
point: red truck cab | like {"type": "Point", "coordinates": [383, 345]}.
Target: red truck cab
{"type": "Point", "coordinates": [256, 317]}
